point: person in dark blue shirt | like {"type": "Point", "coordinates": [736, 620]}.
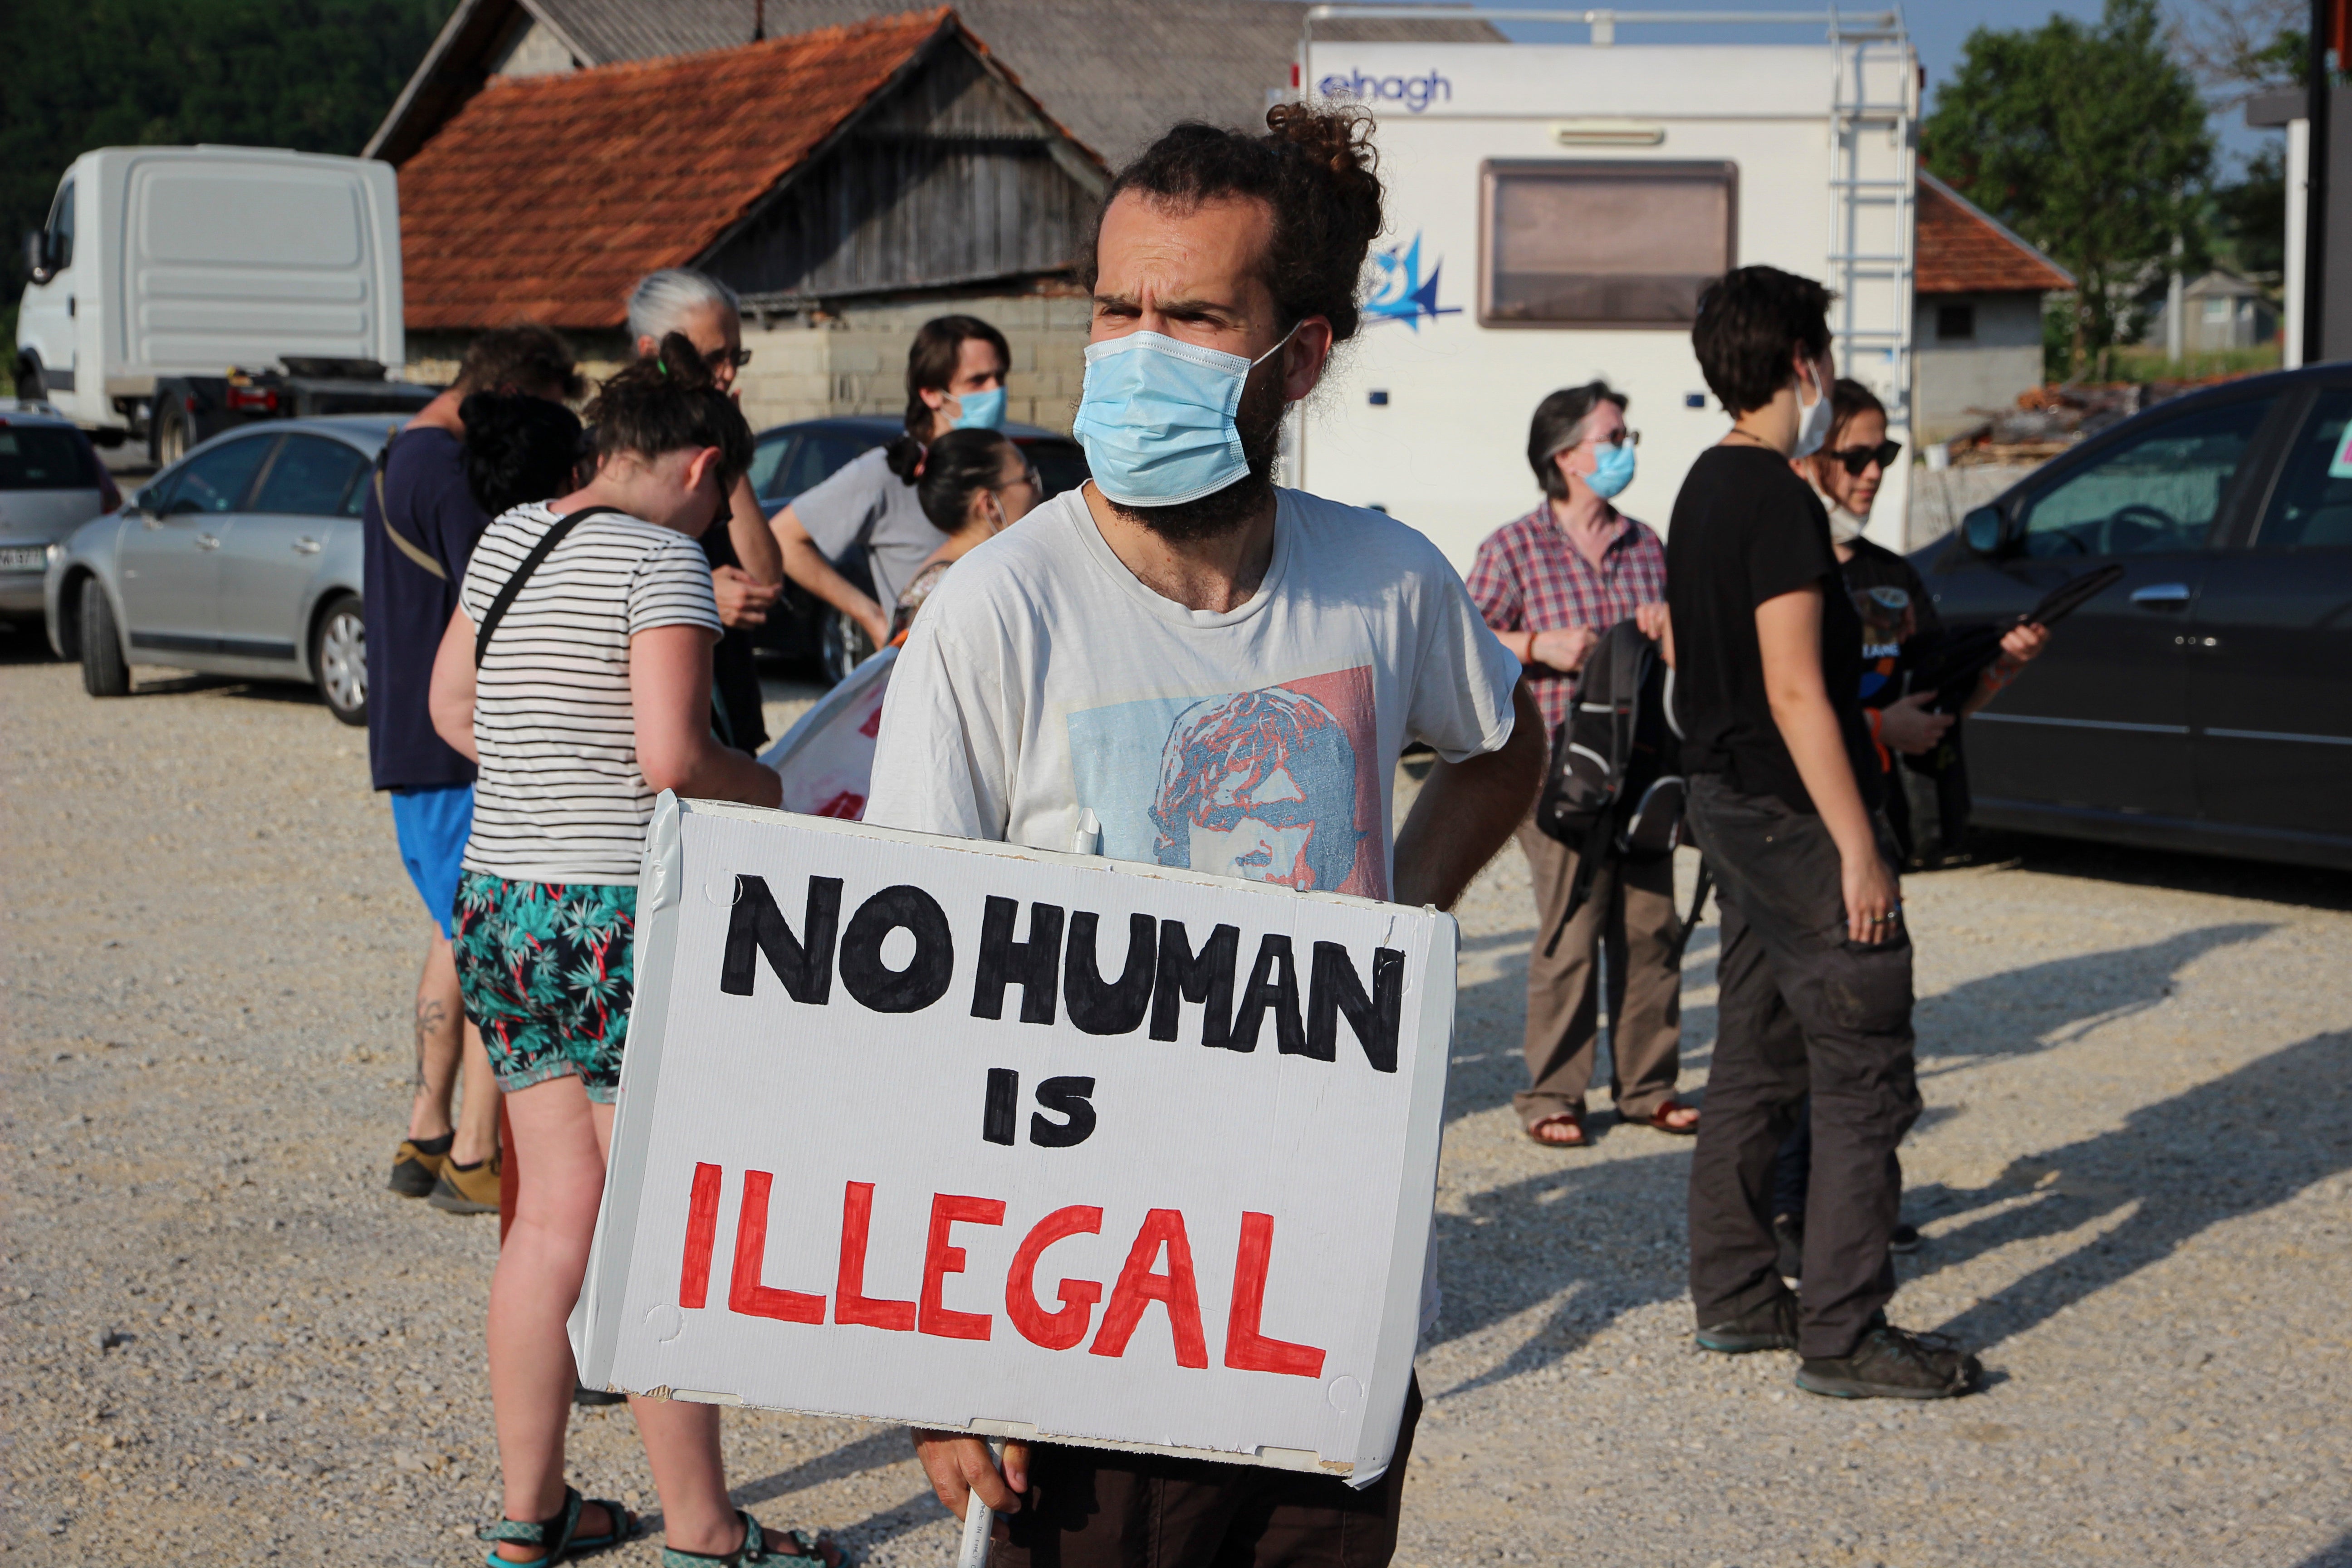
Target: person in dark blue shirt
{"type": "Point", "coordinates": [419, 524]}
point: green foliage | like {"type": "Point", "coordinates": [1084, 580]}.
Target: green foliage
{"type": "Point", "coordinates": [315, 76]}
{"type": "Point", "coordinates": [2090, 141]}
{"type": "Point", "coordinates": [2250, 213]}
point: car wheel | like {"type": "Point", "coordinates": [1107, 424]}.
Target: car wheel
{"type": "Point", "coordinates": [171, 441]}
{"type": "Point", "coordinates": [846, 647]}
{"type": "Point", "coordinates": [339, 659]}
{"type": "Point", "coordinates": [103, 671]}
{"type": "Point", "coordinates": [29, 386]}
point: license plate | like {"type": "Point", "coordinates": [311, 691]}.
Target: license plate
{"type": "Point", "coordinates": [24, 557]}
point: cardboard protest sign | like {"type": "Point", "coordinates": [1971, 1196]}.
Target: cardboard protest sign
{"type": "Point", "coordinates": [827, 758]}
{"type": "Point", "coordinates": [978, 1137]}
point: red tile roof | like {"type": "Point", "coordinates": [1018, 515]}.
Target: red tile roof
{"type": "Point", "coordinates": [544, 199]}
{"type": "Point", "coordinates": [1962, 250]}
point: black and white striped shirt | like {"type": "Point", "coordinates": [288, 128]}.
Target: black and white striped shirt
{"type": "Point", "coordinates": [559, 798]}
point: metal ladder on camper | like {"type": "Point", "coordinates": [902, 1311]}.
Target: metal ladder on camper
{"type": "Point", "coordinates": [1874, 156]}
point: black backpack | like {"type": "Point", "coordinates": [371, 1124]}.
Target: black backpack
{"type": "Point", "coordinates": [1615, 788]}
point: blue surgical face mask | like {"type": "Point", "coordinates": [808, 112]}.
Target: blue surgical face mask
{"type": "Point", "coordinates": [980, 410]}
{"type": "Point", "coordinates": [1614, 473]}
{"type": "Point", "coordinates": [1157, 418]}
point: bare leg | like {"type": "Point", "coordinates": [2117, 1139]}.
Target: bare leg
{"type": "Point", "coordinates": [478, 1115]}
{"type": "Point", "coordinates": [560, 1137]}
{"type": "Point", "coordinates": [440, 1012]}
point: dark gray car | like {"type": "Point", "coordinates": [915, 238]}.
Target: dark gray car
{"type": "Point", "coordinates": [2202, 702]}
{"type": "Point", "coordinates": [242, 558]}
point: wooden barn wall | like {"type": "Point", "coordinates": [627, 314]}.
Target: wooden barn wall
{"type": "Point", "coordinates": [950, 179]}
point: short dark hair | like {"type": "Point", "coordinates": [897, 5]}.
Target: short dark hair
{"type": "Point", "coordinates": [1555, 426]}
{"type": "Point", "coordinates": [526, 358]}
{"type": "Point", "coordinates": [1849, 398]}
{"type": "Point", "coordinates": [1751, 322]}
{"type": "Point", "coordinates": [518, 448]}
{"type": "Point", "coordinates": [958, 464]}
{"type": "Point", "coordinates": [1316, 173]}
{"type": "Point", "coordinates": [931, 362]}
{"type": "Point", "coordinates": [666, 402]}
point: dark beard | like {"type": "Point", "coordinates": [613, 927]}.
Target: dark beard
{"type": "Point", "coordinates": [1258, 421]}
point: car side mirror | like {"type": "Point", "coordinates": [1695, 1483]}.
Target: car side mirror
{"type": "Point", "coordinates": [37, 256]}
{"type": "Point", "coordinates": [1982, 530]}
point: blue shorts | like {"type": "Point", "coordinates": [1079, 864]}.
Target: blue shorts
{"type": "Point", "coordinates": [433, 826]}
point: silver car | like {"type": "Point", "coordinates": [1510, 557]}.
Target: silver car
{"type": "Point", "coordinates": [242, 558]}
{"type": "Point", "coordinates": [50, 482]}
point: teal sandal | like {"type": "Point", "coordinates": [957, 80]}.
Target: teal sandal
{"type": "Point", "coordinates": [756, 1548]}
{"type": "Point", "coordinates": [565, 1529]}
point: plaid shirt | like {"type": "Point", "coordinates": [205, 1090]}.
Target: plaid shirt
{"type": "Point", "coordinates": [1529, 578]}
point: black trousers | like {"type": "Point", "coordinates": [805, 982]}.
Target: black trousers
{"type": "Point", "coordinates": [1801, 1008]}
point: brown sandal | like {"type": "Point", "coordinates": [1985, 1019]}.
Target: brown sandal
{"type": "Point", "coordinates": [1657, 1119]}
{"type": "Point", "coordinates": [1573, 1117]}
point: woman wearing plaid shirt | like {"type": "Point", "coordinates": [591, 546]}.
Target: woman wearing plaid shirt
{"type": "Point", "coordinates": [1549, 585]}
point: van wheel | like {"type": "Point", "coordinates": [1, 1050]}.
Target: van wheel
{"type": "Point", "coordinates": [29, 386]}
{"type": "Point", "coordinates": [339, 659]}
{"type": "Point", "coordinates": [103, 671]}
{"type": "Point", "coordinates": [844, 648]}
{"type": "Point", "coordinates": [171, 441]}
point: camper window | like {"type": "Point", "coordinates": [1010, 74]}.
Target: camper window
{"type": "Point", "coordinates": [1591, 242]}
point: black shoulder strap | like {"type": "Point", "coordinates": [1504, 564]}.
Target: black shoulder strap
{"type": "Point", "coordinates": [545, 547]}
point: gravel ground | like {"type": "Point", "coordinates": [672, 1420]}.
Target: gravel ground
{"type": "Point", "coordinates": [223, 1338]}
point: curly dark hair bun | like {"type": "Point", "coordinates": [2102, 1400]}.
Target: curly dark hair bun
{"type": "Point", "coordinates": [1317, 172]}
{"type": "Point", "coordinates": [668, 401]}
{"type": "Point", "coordinates": [518, 448]}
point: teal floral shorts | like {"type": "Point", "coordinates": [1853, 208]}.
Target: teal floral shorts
{"type": "Point", "coordinates": [545, 969]}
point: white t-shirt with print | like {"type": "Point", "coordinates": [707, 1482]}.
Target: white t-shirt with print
{"type": "Point", "coordinates": [1043, 679]}
{"type": "Point", "coordinates": [559, 796]}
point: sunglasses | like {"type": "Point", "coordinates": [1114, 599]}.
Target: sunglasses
{"type": "Point", "coordinates": [739, 358]}
{"type": "Point", "coordinates": [1856, 458]}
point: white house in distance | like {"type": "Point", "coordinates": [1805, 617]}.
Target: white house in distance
{"type": "Point", "coordinates": [2219, 311]}
{"type": "Point", "coordinates": [1976, 312]}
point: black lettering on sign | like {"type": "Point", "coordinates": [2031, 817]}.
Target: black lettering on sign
{"type": "Point", "coordinates": [1069, 1096]}
{"type": "Point", "coordinates": [1273, 984]}
{"type": "Point", "coordinates": [1033, 965]}
{"type": "Point", "coordinates": [1001, 1106]}
{"type": "Point", "coordinates": [924, 979]}
{"type": "Point", "coordinates": [1336, 989]}
{"type": "Point", "coordinates": [756, 926]}
{"type": "Point", "coordinates": [1206, 977]}
{"type": "Point", "coordinates": [1117, 1008]}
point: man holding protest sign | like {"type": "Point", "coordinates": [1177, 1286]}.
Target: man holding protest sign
{"type": "Point", "coordinates": [1239, 668]}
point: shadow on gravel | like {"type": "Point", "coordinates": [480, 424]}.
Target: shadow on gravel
{"type": "Point", "coordinates": [2237, 1145]}
{"type": "Point", "coordinates": [2042, 1006]}
{"type": "Point", "coordinates": [2337, 1556]}
{"type": "Point", "coordinates": [875, 1452]}
{"type": "Point", "coordinates": [23, 643]}
{"type": "Point", "coordinates": [2314, 885]}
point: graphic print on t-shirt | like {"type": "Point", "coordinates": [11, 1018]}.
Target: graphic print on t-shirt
{"type": "Point", "coordinates": [1278, 785]}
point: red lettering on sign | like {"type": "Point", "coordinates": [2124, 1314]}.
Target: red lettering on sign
{"type": "Point", "coordinates": [745, 1294]}
{"type": "Point", "coordinates": [1053, 1330]}
{"type": "Point", "coordinates": [701, 1235]}
{"type": "Point", "coordinates": [850, 1303]}
{"type": "Point", "coordinates": [1139, 1285]}
{"type": "Point", "coordinates": [939, 1260]}
{"type": "Point", "coordinates": [1246, 1350]}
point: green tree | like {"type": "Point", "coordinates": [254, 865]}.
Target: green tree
{"type": "Point", "coordinates": [2089, 140]}
{"type": "Point", "coordinates": [313, 75]}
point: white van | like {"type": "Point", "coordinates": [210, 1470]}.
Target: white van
{"type": "Point", "coordinates": [179, 291]}
{"type": "Point", "coordinates": [1553, 211]}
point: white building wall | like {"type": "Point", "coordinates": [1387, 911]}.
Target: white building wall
{"type": "Point", "coordinates": [1985, 372]}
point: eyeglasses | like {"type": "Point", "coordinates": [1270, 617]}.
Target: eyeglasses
{"type": "Point", "coordinates": [1857, 458]}
{"type": "Point", "coordinates": [739, 358]}
{"type": "Point", "coordinates": [1624, 438]}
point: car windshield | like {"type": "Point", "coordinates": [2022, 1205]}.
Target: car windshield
{"type": "Point", "coordinates": [44, 457]}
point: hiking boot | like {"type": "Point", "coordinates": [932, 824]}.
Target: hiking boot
{"type": "Point", "coordinates": [1889, 1362]}
{"type": "Point", "coordinates": [468, 1189]}
{"type": "Point", "coordinates": [417, 1164]}
{"type": "Point", "coordinates": [1789, 1236]}
{"type": "Point", "coordinates": [1769, 1325]}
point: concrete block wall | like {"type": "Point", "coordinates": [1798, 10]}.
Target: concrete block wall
{"type": "Point", "coordinates": [856, 361]}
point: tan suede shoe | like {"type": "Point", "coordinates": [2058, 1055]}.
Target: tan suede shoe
{"type": "Point", "coordinates": [462, 1190]}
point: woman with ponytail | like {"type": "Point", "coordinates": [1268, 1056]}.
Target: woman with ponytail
{"type": "Point", "coordinates": [576, 674]}
{"type": "Point", "coordinates": [975, 485]}
{"type": "Point", "coordinates": [955, 380]}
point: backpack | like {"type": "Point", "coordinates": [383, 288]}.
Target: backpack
{"type": "Point", "coordinates": [1615, 788]}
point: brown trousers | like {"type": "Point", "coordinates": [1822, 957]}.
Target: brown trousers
{"type": "Point", "coordinates": [1097, 1509]}
{"type": "Point", "coordinates": [1632, 907]}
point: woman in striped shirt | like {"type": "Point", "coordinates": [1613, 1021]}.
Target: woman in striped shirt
{"type": "Point", "coordinates": [576, 673]}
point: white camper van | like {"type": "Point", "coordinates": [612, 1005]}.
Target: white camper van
{"type": "Point", "coordinates": [1553, 211]}
{"type": "Point", "coordinates": [178, 290]}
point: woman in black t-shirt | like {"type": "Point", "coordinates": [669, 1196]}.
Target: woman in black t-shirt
{"type": "Point", "coordinates": [1814, 969]}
